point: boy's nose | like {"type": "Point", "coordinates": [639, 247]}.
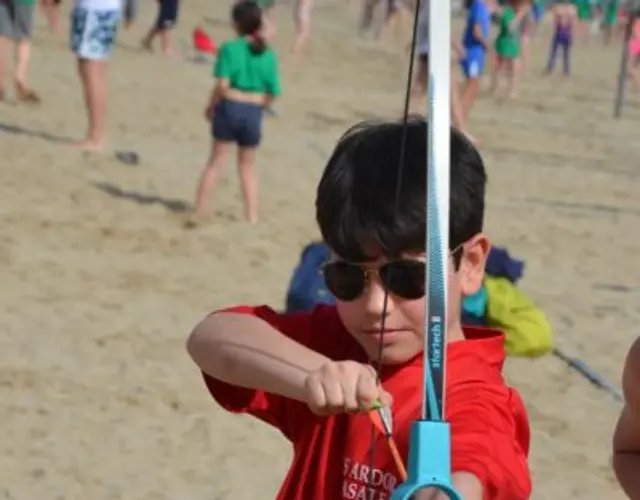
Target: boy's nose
{"type": "Point", "coordinates": [374, 298]}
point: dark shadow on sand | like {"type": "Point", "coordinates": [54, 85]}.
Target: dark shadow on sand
{"type": "Point", "coordinates": [173, 205]}
{"type": "Point", "coordinates": [7, 128]}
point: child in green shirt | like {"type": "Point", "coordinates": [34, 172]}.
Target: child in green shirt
{"type": "Point", "coordinates": [247, 82]}
{"type": "Point", "coordinates": [508, 44]}
{"type": "Point", "coordinates": [610, 14]}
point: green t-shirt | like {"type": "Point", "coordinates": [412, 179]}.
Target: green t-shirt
{"type": "Point", "coordinates": [611, 10]}
{"type": "Point", "coordinates": [246, 71]}
{"type": "Point", "coordinates": [584, 9]}
{"type": "Point", "coordinates": [25, 2]}
{"type": "Point", "coordinates": [508, 39]}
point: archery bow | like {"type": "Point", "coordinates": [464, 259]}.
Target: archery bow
{"type": "Point", "coordinates": [429, 446]}
{"type": "Point", "coordinates": [429, 464]}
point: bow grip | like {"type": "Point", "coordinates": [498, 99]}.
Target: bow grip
{"type": "Point", "coordinates": [429, 461]}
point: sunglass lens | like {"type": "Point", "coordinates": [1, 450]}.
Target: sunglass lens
{"type": "Point", "coordinates": [404, 278]}
{"type": "Point", "coordinates": [344, 280]}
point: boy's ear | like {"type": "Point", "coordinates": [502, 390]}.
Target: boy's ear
{"type": "Point", "coordinates": [474, 257]}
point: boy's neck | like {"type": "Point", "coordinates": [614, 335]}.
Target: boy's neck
{"type": "Point", "coordinates": [455, 332]}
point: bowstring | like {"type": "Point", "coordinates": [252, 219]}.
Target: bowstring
{"type": "Point", "coordinates": [403, 144]}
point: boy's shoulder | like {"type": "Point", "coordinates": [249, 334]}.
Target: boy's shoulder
{"type": "Point", "coordinates": [479, 358]}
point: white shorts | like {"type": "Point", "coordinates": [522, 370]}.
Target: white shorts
{"type": "Point", "coordinates": [93, 32]}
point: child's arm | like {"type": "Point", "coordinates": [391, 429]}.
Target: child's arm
{"type": "Point", "coordinates": [245, 351]}
{"type": "Point", "coordinates": [219, 89]}
{"type": "Point", "coordinates": [478, 35]}
{"type": "Point", "coordinates": [626, 438]}
{"type": "Point", "coordinates": [221, 73]}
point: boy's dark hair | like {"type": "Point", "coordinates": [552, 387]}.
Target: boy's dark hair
{"type": "Point", "coordinates": [356, 198]}
{"type": "Point", "coordinates": [247, 17]}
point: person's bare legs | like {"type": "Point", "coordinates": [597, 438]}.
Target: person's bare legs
{"type": "Point", "coordinates": [458, 118]}
{"type": "Point", "coordinates": [468, 96]}
{"type": "Point", "coordinates": [4, 41]}
{"type": "Point", "coordinates": [93, 75]}
{"type": "Point", "coordinates": [302, 26]}
{"type": "Point", "coordinates": [51, 12]}
{"type": "Point", "coordinates": [23, 54]}
{"type": "Point", "coordinates": [248, 183]}
{"type": "Point", "coordinates": [457, 114]}
{"type": "Point", "coordinates": [166, 41]}
{"type": "Point", "coordinates": [147, 41]}
{"type": "Point", "coordinates": [215, 164]}
{"type": "Point", "coordinates": [268, 23]}
{"type": "Point", "coordinates": [498, 68]}
{"type": "Point", "coordinates": [368, 13]}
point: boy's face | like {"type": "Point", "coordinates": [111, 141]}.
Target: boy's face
{"type": "Point", "coordinates": [403, 338]}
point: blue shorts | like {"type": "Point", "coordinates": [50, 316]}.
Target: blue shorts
{"type": "Point", "coordinates": [473, 63]}
{"type": "Point", "coordinates": [93, 32]}
{"type": "Point", "coordinates": [238, 122]}
{"type": "Point", "coordinates": [167, 14]}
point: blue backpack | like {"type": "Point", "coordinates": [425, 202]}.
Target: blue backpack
{"type": "Point", "coordinates": [307, 288]}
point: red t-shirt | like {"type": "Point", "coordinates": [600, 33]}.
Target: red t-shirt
{"type": "Point", "coordinates": [332, 456]}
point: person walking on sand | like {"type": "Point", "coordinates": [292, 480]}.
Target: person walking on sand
{"type": "Point", "coordinates": [565, 18]}
{"type": "Point", "coordinates": [508, 46]}
{"type": "Point", "coordinates": [476, 47]}
{"type": "Point", "coordinates": [94, 24]}
{"type": "Point", "coordinates": [51, 10]}
{"type": "Point", "coordinates": [419, 86]}
{"type": "Point", "coordinates": [268, 21]}
{"type": "Point", "coordinates": [247, 82]}
{"type": "Point", "coordinates": [163, 27]}
{"type": "Point", "coordinates": [302, 25]}
{"type": "Point", "coordinates": [16, 24]}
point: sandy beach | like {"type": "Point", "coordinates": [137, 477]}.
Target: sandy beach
{"type": "Point", "coordinates": [101, 283]}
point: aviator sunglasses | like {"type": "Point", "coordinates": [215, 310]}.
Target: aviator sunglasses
{"type": "Point", "coordinates": [404, 278]}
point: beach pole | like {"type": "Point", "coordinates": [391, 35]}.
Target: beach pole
{"type": "Point", "coordinates": [622, 75]}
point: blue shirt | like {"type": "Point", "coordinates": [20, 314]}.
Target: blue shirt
{"type": "Point", "coordinates": [478, 14]}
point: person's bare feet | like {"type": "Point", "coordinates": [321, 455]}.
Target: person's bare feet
{"type": "Point", "coordinates": [26, 95]}
{"type": "Point", "coordinates": [89, 145]}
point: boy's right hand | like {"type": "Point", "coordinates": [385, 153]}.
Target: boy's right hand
{"type": "Point", "coordinates": [344, 387]}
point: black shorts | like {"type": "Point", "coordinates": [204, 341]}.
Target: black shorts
{"type": "Point", "coordinates": [167, 14]}
{"type": "Point", "coordinates": [238, 122]}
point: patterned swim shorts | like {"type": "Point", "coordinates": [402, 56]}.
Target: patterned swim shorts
{"type": "Point", "coordinates": [93, 32]}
